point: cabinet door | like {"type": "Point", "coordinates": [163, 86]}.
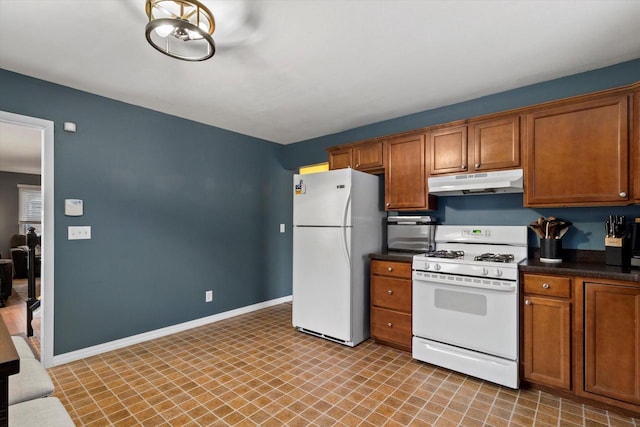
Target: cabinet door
{"type": "Point", "coordinates": [495, 144]}
{"type": "Point", "coordinates": [369, 156]}
{"type": "Point", "coordinates": [612, 341]}
{"type": "Point", "coordinates": [405, 177]}
{"type": "Point", "coordinates": [547, 341]}
{"type": "Point", "coordinates": [449, 150]}
{"type": "Point", "coordinates": [340, 159]}
{"type": "Point", "coordinates": [578, 154]}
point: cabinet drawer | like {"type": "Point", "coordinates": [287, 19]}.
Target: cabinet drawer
{"type": "Point", "coordinates": [391, 268]}
{"type": "Point", "coordinates": [392, 326]}
{"type": "Point", "coordinates": [390, 292]}
{"type": "Point", "coordinates": [547, 285]}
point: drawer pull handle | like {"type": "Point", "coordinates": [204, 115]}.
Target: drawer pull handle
{"type": "Point", "coordinates": [390, 268]}
{"type": "Point", "coordinates": [528, 302]}
{"type": "Point", "coordinates": [390, 292]}
{"type": "Point", "coordinates": [546, 285]}
{"type": "Point", "coordinates": [390, 324]}
{"type": "Point", "coordinates": [623, 194]}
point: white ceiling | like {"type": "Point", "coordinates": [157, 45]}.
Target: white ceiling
{"type": "Point", "coordinates": [20, 149]}
{"type": "Point", "coordinates": [290, 70]}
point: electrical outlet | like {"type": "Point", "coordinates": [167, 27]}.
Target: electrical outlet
{"type": "Point", "coordinates": [208, 296]}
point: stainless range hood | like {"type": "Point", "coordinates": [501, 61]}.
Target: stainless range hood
{"type": "Point", "coordinates": [508, 181]}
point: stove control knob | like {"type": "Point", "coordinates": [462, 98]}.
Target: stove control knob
{"type": "Point", "coordinates": [485, 272]}
{"type": "Point", "coordinates": [437, 267]}
{"type": "Point", "coordinates": [426, 266]}
{"type": "Point", "coordinates": [499, 273]}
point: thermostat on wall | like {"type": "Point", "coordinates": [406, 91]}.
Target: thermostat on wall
{"type": "Point", "coordinates": [73, 207]}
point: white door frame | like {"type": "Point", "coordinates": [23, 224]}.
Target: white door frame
{"type": "Point", "coordinates": [46, 323]}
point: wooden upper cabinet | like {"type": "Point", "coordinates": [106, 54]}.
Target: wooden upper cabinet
{"type": "Point", "coordinates": [578, 154]}
{"type": "Point", "coordinates": [365, 156]}
{"type": "Point", "coordinates": [369, 156]}
{"type": "Point", "coordinates": [405, 178]}
{"type": "Point", "coordinates": [612, 341]}
{"type": "Point", "coordinates": [340, 158]}
{"type": "Point", "coordinates": [494, 144]}
{"type": "Point", "coordinates": [449, 150]}
{"type": "Point", "coordinates": [635, 148]}
{"type": "Point", "coordinates": [491, 144]}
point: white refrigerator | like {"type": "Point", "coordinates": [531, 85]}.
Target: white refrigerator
{"type": "Point", "coordinates": [337, 223]}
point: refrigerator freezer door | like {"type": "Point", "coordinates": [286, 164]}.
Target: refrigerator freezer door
{"type": "Point", "coordinates": [322, 198]}
{"type": "Point", "coordinates": [322, 281]}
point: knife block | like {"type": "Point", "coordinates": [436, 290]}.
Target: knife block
{"type": "Point", "coordinates": [617, 251]}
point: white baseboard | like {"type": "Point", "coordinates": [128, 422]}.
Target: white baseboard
{"type": "Point", "coordinates": [146, 336]}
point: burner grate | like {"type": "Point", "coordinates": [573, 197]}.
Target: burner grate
{"type": "Point", "coordinates": [495, 257]}
{"type": "Point", "coordinates": [445, 254]}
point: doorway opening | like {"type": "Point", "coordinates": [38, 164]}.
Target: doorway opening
{"type": "Point", "coordinates": [45, 130]}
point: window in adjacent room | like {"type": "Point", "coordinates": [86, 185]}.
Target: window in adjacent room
{"type": "Point", "coordinates": [29, 208]}
{"type": "Point", "coordinates": [319, 167]}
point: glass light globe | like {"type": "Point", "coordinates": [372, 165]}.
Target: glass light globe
{"type": "Point", "coordinates": [164, 30]}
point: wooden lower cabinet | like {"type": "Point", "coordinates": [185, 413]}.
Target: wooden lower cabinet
{"type": "Point", "coordinates": [581, 336]}
{"type": "Point", "coordinates": [547, 341]}
{"type": "Point", "coordinates": [612, 341]}
{"type": "Point", "coordinates": [546, 333]}
{"type": "Point", "coordinates": [391, 303]}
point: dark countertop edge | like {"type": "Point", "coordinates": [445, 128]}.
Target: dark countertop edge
{"type": "Point", "coordinates": [581, 269]}
{"type": "Point", "coordinates": [394, 256]}
{"type": "Point", "coordinates": [588, 264]}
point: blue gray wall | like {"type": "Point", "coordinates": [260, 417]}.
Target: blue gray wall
{"type": "Point", "coordinates": [176, 208]}
{"type": "Point", "coordinates": [588, 230]}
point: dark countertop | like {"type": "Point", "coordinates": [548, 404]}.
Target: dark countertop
{"type": "Point", "coordinates": [394, 256]}
{"type": "Point", "coordinates": [595, 270]}
{"type": "Point", "coordinates": [575, 263]}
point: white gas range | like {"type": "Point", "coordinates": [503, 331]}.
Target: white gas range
{"type": "Point", "coordinates": [465, 301]}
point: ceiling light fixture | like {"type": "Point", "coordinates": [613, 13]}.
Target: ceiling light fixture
{"type": "Point", "coordinates": [181, 29]}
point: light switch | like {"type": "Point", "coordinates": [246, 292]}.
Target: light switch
{"type": "Point", "coordinates": [282, 228]}
{"type": "Point", "coordinates": [79, 233]}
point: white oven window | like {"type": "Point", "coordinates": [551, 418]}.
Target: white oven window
{"type": "Point", "coordinates": [462, 302]}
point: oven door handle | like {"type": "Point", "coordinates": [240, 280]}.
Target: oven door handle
{"type": "Point", "coordinates": [500, 287]}
{"type": "Point", "coordinates": [474, 357]}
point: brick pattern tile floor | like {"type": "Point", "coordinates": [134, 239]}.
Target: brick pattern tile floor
{"type": "Point", "coordinates": [256, 370]}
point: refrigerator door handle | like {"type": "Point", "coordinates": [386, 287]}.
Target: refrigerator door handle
{"type": "Point", "coordinates": [345, 210]}
{"type": "Point", "coordinates": [345, 246]}
{"type": "Point", "coordinates": [344, 226]}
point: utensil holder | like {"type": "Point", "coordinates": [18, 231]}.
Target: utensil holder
{"type": "Point", "coordinates": [617, 251]}
{"type": "Point", "coordinates": [551, 250]}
